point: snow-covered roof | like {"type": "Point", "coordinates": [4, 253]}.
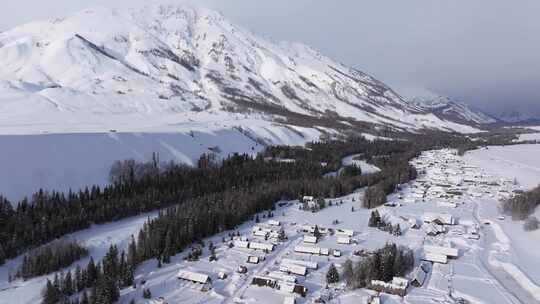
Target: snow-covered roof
{"type": "Point", "coordinates": [448, 251]}
{"type": "Point", "coordinates": [434, 257]}
{"type": "Point", "coordinates": [281, 276]}
{"type": "Point", "coordinates": [241, 244]}
{"type": "Point", "coordinates": [289, 300]}
{"type": "Point", "coordinates": [399, 281]}
{"type": "Point", "coordinates": [344, 240]}
{"type": "Point", "coordinates": [308, 264]}
{"type": "Point", "coordinates": [419, 276]}
{"type": "Point", "coordinates": [292, 268]}
{"type": "Point", "coordinates": [193, 276]}
{"type": "Point", "coordinates": [306, 249]}
{"type": "Point", "coordinates": [261, 246]}
{"type": "Point", "coordinates": [287, 287]}
{"type": "Point", "coordinates": [253, 259]}
{"type": "Point", "coordinates": [310, 239]}
{"type": "Point", "coordinates": [347, 232]}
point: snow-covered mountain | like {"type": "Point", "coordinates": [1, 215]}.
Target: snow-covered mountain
{"type": "Point", "coordinates": [519, 117]}
{"type": "Point", "coordinates": [181, 81]}
{"type": "Point", "coordinates": [449, 109]}
{"type": "Point", "coordinates": [173, 68]}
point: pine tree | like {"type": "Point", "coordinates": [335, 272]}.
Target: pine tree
{"type": "Point", "coordinates": [111, 263]}
{"type": "Point", "coordinates": [67, 287]}
{"type": "Point", "coordinates": [316, 232]}
{"type": "Point", "coordinates": [51, 294]}
{"type": "Point", "coordinates": [91, 273]}
{"type": "Point", "coordinates": [132, 253]}
{"type": "Point", "coordinates": [78, 281]}
{"type": "Point", "coordinates": [2, 255]}
{"type": "Point", "coordinates": [84, 299]}
{"type": "Point", "coordinates": [128, 277]}
{"type": "Point", "coordinates": [169, 247]}
{"type": "Point", "coordinates": [348, 272]}
{"type": "Point", "coordinates": [147, 294]}
{"type": "Point", "coordinates": [374, 219]}
{"type": "Point", "coordinates": [397, 230]}
{"type": "Point", "coordinates": [332, 276]}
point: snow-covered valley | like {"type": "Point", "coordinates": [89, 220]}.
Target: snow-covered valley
{"type": "Point", "coordinates": [179, 88]}
{"type": "Point", "coordinates": [499, 267]}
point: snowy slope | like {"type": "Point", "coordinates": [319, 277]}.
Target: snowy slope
{"type": "Point", "coordinates": [449, 109]}
{"type": "Point", "coordinates": [153, 68]}
{"type": "Point", "coordinates": [76, 160]}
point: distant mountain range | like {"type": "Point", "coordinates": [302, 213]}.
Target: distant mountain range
{"type": "Point", "coordinates": [519, 117]}
{"type": "Point", "coordinates": [448, 109]}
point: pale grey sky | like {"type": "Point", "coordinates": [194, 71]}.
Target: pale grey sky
{"type": "Point", "coordinates": [484, 52]}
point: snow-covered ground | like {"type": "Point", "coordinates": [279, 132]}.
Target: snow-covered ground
{"type": "Point", "coordinates": [362, 164]}
{"type": "Point", "coordinates": [74, 160]}
{"type": "Point", "coordinates": [517, 251]}
{"type": "Point", "coordinates": [500, 267]}
{"type": "Point", "coordinates": [516, 161]}
{"type": "Point", "coordinates": [529, 136]}
{"type": "Point", "coordinates": [97, 239]}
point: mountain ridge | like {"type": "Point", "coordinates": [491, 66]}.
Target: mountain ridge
{"type": "Point", "coordinates": [165, 66]}
{"type": "Point", "coordinates": [450, 109]}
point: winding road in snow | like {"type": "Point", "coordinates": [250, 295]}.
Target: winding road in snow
{"type": "Point", "coordinates": [512, 290]}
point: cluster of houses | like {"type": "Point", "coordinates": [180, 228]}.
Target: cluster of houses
{"type": "Point", "coordinates": [449, 183]}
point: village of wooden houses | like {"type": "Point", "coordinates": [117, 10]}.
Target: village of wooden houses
{"type": "Point", "coordinates": [286, 256]}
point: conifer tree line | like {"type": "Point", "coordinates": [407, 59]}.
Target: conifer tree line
{"type": "Point", "coordinates": [96, 283]}
{"type": "Point", "coordinates": [522, 205]}
{"type": "Point", "coordinates": [383, 264]}
{"type": "Point", "coordinates": [50, 258]}
{"type": "Point", "coordinates": [50, 215]}
{"type": "Point", "coordinates": [142, 187]}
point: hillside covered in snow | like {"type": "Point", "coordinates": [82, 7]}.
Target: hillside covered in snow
{"type": "Point", "coordinates": [160, 68]}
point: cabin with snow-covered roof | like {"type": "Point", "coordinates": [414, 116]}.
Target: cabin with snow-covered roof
{"type": "Point", "coordinates": [344, 240]}
{"type": "Point", "coordinates": [261, 246]}
{"type": "Point", "coordinates": [274, 223]}
{"type": "Point", "coordinates": [448, 251]}
{"type": "Point", "coordinates": [312, 250]}
{"type": "Point", "coordinates": [294, 269]}
{"type": "Point", "coordinates": [435, 258]}
{"type": "Point", "coordinates": [308, 264]}
{"type": "Point", "coordinates": [294, 288]}
{"type": "Point", "coordinates": [345, 232]}
{"type": "Point", "coordinates": [241, 244]}
{"type": "Point", "coordinates": [310, 239]}
{"type": "Point", "coordinates": [419, 277]}
{"type": "Point", "coordinates": [253, 259]}
{"type": "Point", "coordinates": [203, 279]}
